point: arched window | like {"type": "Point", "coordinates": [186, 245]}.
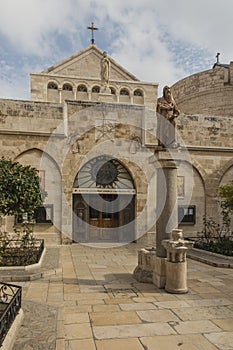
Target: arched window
{"type": "Point", "coordinates": [113, 91]}
{"type": "Point", "coordinates": [96, 89]}
{"type": "Point", "coordinates": [52, 92]}
{"type": "Point", "coordinates": [52, 86]}
{"type": "Point", "coordinates": [138, 92]}
{"type": "Point", "coordinates": [82, 88]}
{"type": "Point", "coordinates": [67, 87]}
{"type": "Point", "coordinates": [104, 172]}
{"type": "Point", "coordinates": [124, 92]}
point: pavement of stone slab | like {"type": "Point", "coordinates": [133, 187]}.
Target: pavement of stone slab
{"type": "Point", "coordinates": [94, 303]}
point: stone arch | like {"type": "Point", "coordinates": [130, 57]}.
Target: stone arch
{"type": "Point", "coordinates": [226, 178]}
{"type": "Point", "coordinates": [138, 96]}
{"type": "Point", "coordinates": [124, 95]}
{"type": "Point", "coordinates": [216, 179]}
{"type": "Point", "coordinates": [103, 202]}
{"type": "Point", "coordinates": [51, 182]}
{"type": "Point", "coordinates": [225, 174]}
{"type": "Point", "coordinates": [102, 164]}
{"type": "Point", "coordinates": [53, 91]}
{"type": "Point", "coordinates": [67, 91]}
{"type": "Point", "coordinates": [82, 92]}
{"type": "Point", "coordinates": [193, 196]}
{"type": "Point", "coordinates": [114, 92]}
{"type": "Point", "coordinates": [82, 88]}
{"type": "Point", "coordinates": [95, 90]}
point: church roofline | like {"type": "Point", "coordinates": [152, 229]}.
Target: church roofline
{"type": "Point", "coordinates": [84, 52]}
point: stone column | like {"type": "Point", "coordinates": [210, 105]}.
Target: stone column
{"type": "Point", "coordinates": [166, 204]}
{"type": "Point", "coordinates": [167, 212]}
{"type": "Point", "coordinates": [152, 262]}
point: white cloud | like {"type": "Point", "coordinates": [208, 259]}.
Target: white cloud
{"type": "Point", "coordinates": [157, 40]}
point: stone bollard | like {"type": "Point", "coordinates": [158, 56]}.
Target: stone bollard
{"type": "Point", "coordinates": [176, 262]}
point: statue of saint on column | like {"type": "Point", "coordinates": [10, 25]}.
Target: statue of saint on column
{"type": "Point", "coordinates": [105, 70]}
{"type": "Point", "coordinates": [167, 112]}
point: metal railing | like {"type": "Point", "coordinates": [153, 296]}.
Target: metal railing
{"type": "Point", "coordinates": [10, 305]}
{"type": "Point", "coordinates": [18, 254]}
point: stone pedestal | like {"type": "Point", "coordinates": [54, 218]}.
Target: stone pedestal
{"type": "Point", "coordinates": [105, 95]}
{"type": "Point", "coordinates": [176, 262]}
{"type": "Point", "coordinates": [176, 277]}
{"type": "Point", "coordinates": [146, 262]}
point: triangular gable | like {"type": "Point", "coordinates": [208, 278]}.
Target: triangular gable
{"type": "Point", "coordinates": [86, 63]}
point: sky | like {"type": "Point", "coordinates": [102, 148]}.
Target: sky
{"type": "Point", "coordinates": [160, 41]}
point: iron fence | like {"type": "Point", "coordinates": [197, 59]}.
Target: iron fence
{"type": "Point", "coordinates": [10, 305]}
{"type": "Point", "coordinates": [18, 254]}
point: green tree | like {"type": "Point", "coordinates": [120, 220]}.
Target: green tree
{"type": "Point", "coordinates": [226, 193]}
{"type": "Point", "coordinates": [20, 190]}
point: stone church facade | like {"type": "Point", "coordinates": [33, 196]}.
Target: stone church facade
{"type": "Point", "coordinates": [95, 152]}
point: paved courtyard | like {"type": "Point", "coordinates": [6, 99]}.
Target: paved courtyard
{"type": "Point", "coordinates": [94, 303]}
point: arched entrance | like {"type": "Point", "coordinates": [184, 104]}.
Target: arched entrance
{"type": "Point", "coordinates": [103, 202]}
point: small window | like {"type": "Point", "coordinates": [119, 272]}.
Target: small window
{"type": "Point", "coordinates": [187, 214]}
{"type": "Point", "coordinates": [52, 86]}
{"type": "Point", "coordinates": [113, 91]}
{"type": "Point", "coordinates": [138, 93]}
{"type": "Point", "coordinates": [124, 92]}
{"type": "Point", "coordinates": [96, 89]}
{"type": "Point", "coordinates": [67, 87]}
{"type": "Point", "coordinates": [82, 88]}
{"type": "Point", "coordinates": [42, 215]}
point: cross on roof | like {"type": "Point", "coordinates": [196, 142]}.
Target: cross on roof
{"type": "Point", "coordinates": [92, 28]}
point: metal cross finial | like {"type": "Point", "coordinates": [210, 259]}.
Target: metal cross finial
{"type": "Point", "coordinates": [217, 56]}
{"type": "Point", "coordinates": [92, 28]}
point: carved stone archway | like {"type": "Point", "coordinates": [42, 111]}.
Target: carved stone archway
{"type": "Point", "coordinates": [103, 202]}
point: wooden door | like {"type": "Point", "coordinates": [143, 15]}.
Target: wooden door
{"type": "Point", "coordinates": [103, 217]}
{"type": "Point", "coordinates": [98, 217]}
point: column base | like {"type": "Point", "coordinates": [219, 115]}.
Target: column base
{"type": "Point", "coordinates": [176, 281]}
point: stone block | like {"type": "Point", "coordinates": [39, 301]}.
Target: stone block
{"type": "Point", "coordinates": [159, 272]}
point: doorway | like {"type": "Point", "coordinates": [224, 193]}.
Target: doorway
{"type": "Point", "coordinates": [103, 202]}
{"type": "Point", "coordinates": [103, 217]}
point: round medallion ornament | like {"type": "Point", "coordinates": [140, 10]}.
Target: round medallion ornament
{"type": "Point", "coordinates": [104, 173]}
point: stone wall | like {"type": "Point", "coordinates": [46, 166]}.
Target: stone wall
{"type": "Point", "coordinates": [29, 117]}
{"type": "Point", "coordinates": [84, 130]}
{"type": "Point", "coordinates": [209, 92]}
{"type": "Point", "coordinates": [206, 131]}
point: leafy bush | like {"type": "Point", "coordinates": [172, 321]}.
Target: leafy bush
{"type": "Point", "coordinates": [226, 192]}
{"type": "Point", "coordinates": [215, 237]}
{"type": "Point", "coordinates": [20, 190]}
{"type": "Point", "coordinates": [20, 194]}
{"type": "Point", "coordinates": [20, 248]}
